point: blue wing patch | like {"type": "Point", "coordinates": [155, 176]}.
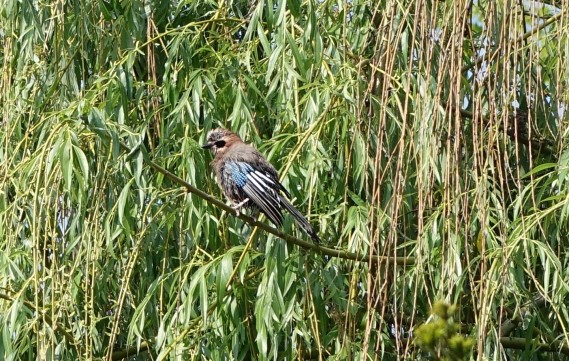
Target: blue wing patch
{"type": "Point", "coordinates": [239, 171]}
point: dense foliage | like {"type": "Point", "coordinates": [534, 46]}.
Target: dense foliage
{"type": "Point", "coordinates": [428, 141]}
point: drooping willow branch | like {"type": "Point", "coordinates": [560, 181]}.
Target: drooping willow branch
{"type": "Point", "coordinates": [48, 320]}
{"type": "Point", "coordinates": [490, 56]}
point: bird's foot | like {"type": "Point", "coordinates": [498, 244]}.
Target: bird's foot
{"type": "Point", "coordinates": [239, 205]}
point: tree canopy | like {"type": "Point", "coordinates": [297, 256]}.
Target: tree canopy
{"type": "Point", "coordinates": [427, 141]}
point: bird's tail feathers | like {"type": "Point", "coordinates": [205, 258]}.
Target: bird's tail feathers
{"type": "Point", "coordinates": [300, 220]}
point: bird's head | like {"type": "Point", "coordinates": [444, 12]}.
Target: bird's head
{"type": "Point", "coordinates": [220, 139]}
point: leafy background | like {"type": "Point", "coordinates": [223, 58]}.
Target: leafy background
{"type": "Point", "coordinates": [430, 138]}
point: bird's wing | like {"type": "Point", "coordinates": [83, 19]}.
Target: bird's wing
{"type": "Point", "coordinates": [259, 187]}
{"type": "Point", "coordinates": [261, 164]}
{"type": "Point", "coordinates": [273, 178]}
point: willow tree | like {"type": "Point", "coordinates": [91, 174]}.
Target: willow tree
{"type": "Point", "coordinates": [427, 140]}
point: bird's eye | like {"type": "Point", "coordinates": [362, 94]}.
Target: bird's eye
{"type": "Point", "coordinates": [220, 143]}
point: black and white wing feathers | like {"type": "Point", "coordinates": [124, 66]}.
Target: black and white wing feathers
{"type": "Point", "coordinates": [260, 184]}
{"type": "Point", "coordinates": [260, 189]}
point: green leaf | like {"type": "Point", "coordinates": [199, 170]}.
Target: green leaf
{"type": "Point", "coordinates": [122, 204]}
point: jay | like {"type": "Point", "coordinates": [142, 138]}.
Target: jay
{"type": "Point", "coordinates": [248, 179]}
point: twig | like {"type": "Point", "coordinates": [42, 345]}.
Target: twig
{"type": "Point", "coordinates": [48, 320]}
{"type": "Point", "coordinates": [130, 351]}
{"type": "Point", "coordinates": [521, 38]}
{"type": "Point", "coordinates": [290, 239]}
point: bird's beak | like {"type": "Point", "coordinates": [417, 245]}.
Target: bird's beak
{"type": "Point", "coordinates": [207, 145]}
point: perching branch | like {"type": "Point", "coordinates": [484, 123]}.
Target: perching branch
{"type": "Point", "coordinates": [290, 239]}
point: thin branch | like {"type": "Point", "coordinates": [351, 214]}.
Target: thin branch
{"type": "Point", "coordinates": [521, 38]}
{"type": "Point", "coordinates": [48, 320]}
{"type": "Point", "coordinates": [521, 343]}
{"type": "Point", "coordinates": [555, 3]}
{"type": "Point", "coordinates": [145, 345]}
{"type": "Point", "coordinates": [537, 145]}
{"type": "Point", "coordinates": [290, 239]}
{"type": "Point", "coordinates": [130, 351]}
{"type": "Point", "coordinates": [510, 325]}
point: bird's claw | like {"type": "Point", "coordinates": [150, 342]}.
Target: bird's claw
{"type": "Point", "coordinates": [239, 205]}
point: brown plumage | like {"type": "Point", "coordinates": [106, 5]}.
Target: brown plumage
{"type": "Point", "coordinates": [248, 179]}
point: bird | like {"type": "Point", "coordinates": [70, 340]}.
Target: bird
{"type": "Point", "coordinates": [248, 180]}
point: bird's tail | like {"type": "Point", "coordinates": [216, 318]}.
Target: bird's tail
{"type": "Point", "coordinates": [300, 220]}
